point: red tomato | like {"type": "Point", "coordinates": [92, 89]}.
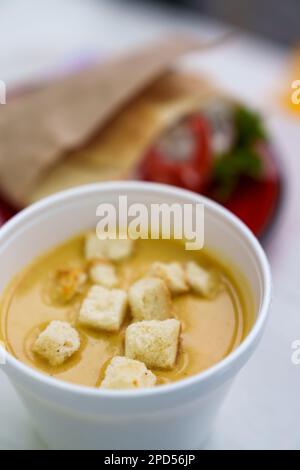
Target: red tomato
{"type": "Point", "coordinates": [192, 171]}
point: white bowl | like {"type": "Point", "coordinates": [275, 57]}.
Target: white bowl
{"type": "Point", "coordinates": [174, 416]}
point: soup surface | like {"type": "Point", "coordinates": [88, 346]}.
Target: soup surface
{"type": "Point", "coordinates": [211, 329]}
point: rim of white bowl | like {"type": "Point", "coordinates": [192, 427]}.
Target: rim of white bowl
{"type": "Point", "coordinates": [201, 377]}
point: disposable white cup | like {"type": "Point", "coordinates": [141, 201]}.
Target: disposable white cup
{"type": "Point", "coordinates": [173, 416]}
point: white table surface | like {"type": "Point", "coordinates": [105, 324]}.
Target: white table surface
{"type": "Point", "coordinates": [263, 409]}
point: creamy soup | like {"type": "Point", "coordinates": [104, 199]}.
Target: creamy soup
{"type": "Point", "coordinates": [210, 328]}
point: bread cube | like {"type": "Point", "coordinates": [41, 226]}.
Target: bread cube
{"type": "Point", "coordinates": [153, 342]}
{"type": "Point", "coordinates": [173, 274]}
{"type": "Point", "coordinates": [93, 247]}
{"type": "Point", "coordinates": [68, 283]}
{"type": "Point", "coordinates": [114, 250]}
{"type": "Point", "coordinates": [104, 274]}
{"type": "Point", "coordinates": [117, 250]}
{"type": "Point", "coordinates": [103, 309]}
{"type": "Point", "coordinates": [124, 373]}
{"type": "Point", "coordinates": [203, 281]}
{"type": "Point", "coordinates": [57, 342]}
{"type": "Point", "coordinates": [150, 299]}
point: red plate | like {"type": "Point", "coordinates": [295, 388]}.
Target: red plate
{"type": "Point", "coordinates": [257, 203]}
{"type": "Point", "coordinates": [6, 211]}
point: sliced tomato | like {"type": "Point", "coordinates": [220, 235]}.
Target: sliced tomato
{"type": "Point", "coordinates": [192, 171]}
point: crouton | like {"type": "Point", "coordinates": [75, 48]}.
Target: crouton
{"type": "Point", "coordinates": [117, 250]}
{"type": "Point", "coordinates": [173, 274]}
{"type": "Point", "coordinates": [103, 309]}
{"type": "Point", "coordinates": [103, 273]}
{"type": "Point", "coordinates": [153, 342]}
{"type": "Point", "coordinates": [68, 282]}
{"type": "Point", "coordinates": [124, 373]}
{"type": "Point", "coordinates": [114, 250]}
{"type": "Point", "coordinates": [202, 281]}
{"type": "Point", "coordinates": [93, 247]}
{"type": "Point", "coordinates": [57, 342]}
{"type": "Point", "coordinates": [150, 299]}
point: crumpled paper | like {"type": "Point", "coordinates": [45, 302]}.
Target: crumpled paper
{"type": "Point", "coordinates": [39, 128]}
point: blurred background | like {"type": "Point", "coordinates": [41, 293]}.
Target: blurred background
{"type": "Point", "coordinates": [35, 33]}
{"type": "Point", "coordinates": [41, 40]}
{"type": "Point", "coordinates": [279, 24]}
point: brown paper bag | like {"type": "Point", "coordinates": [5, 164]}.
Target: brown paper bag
{"type": "Point", "coordinates": [39, 128]}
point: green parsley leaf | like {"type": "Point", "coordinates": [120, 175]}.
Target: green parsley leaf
{"type": "Point", "coordinates": [243, 159]}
